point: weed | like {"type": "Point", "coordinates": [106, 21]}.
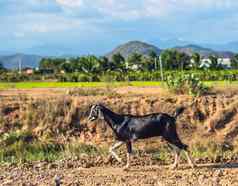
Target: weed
{"type": "Point", "coordinates": [186, 84]}
{"type": "Point", "coordinates": [162, 154]}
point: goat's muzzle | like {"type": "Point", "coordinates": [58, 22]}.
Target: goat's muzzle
{"type": "Point", "coordinates": [91, 118]}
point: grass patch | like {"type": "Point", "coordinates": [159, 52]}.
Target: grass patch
{"type": "Point", "coordinates": [221, 84]}
{"type": "Point", "coordinates": [212, 151]}
{"type": "Point", "coordinates": [21, 147]}
{"type": "Point", "coordinates": [163, 154]}
{"type": "Point", "coordinates": [30, 85]}
{"type": "Point", "coordinates": [76, 149]}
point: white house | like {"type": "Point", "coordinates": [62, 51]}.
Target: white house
{"type": "Point", "coordinates": [205, 63]}
{"type": "Point", "coordinates": [225, 62]}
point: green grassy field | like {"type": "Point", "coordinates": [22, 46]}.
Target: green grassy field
{"type": "Point", "coordinates": [29, 85]}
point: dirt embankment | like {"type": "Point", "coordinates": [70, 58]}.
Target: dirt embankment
{"type": "Point", "coordinates": [212, 116]}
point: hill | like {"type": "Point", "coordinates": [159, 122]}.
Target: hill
{"type": "Point", "coordinates": [144, 48]}
{"type": "Point", "coordinates": [230, 46]}
{"type": "Point", "coordinates": [204, 52]}
{"type": "Point", "coordinates": [12, 61]}
{"type": "Point", "coordinates": [134, 47]}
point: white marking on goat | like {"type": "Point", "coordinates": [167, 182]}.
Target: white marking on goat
{"type": "Point", "coordinates": [112, 152]}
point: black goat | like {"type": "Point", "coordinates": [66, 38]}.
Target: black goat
{"type": "Point", "coordinates": [129, 128]}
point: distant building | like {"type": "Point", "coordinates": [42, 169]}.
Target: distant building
{"type": "Point", "coordinates": [224, 62]}
{"type": "Point", "coordinates": [205, 63]}
{"type": "Point", "coordinates": [28, 71]}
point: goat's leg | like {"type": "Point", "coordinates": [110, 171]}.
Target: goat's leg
{"type": "Point", "coordinates": [112, 152]}
{"type": "Point", "coordinates": [190, 161]}
{"type": "Point", "coordinates": [176, 159]}
{"type": "Point", "coordinates": [129, 151]}
{"type": "Point", "coordinates": [177, 146]}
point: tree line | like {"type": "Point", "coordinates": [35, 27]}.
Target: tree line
{"type": "Point", "coordinates": [171, 60]}
{"type": "Point", "coordinates": [135, 67]}
{"type": "Point", "coordinates": [1, 66]}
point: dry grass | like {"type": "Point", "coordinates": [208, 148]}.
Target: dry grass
{"type": "Point", "coordinates": [62, 120]}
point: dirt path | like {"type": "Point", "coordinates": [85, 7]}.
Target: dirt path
{"type": "Point", "coordinates": [44, 174]}
{"type": "Point", "coordinates": [39, 92]}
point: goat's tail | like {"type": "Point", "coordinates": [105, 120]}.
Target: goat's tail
{"type": "Point", "coordinates": [178, 111]}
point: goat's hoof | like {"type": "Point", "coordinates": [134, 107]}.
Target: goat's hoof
{"type": "Point", "coordinates": [119, 160]}
{"type": "Point", "coordinates": [193, 166]}
{"type": "Point", "coordinates": [108, 159]}
{"type": "Point", "coordinates": [173, 167]}
{"type": "Point", "coordinates": [126, 168]}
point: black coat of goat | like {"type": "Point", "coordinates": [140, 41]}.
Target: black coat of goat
{"type": "Point", "coordinates": [129, 128]}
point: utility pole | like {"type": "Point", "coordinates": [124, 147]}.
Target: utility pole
{"type": "Point", "coordinates": [20, 65]}
{"type": "Point", "coordinates": [161, 68]}
{"type": "Point", "coordinates": [155, 63]}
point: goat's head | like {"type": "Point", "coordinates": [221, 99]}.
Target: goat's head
{"type": "Point", "coordinates": [95, 113]}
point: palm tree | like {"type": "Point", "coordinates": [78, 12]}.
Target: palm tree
{"type": "Point", "coordinates": [134, 61]}
{"type": "Point", "coordinates": [89, 64]}
{"type": "Point", "coordinates": [1, 66]}
{"type": "Point", "coordinates": [103, 63]}
{"type": "Point", "coordinates": [234, 62]}
{"type": "Point", "coordinates": [196, 58]}
{"type": "Point", "coordinates": [183, 60]}
{"type": "Point", "coordinates": [153, 59]}
{"type": "Point", "coordinates": [118, 62]}
{"type": "Point", "coordinates": [214, 62]}
{"type": "Point", "coordinates": [148, 63]}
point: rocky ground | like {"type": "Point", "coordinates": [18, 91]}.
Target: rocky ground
{"type": "Point", "coordinates": [48, 174]}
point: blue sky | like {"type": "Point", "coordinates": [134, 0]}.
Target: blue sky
{"type": "Point", "coordinates": [96, 26]}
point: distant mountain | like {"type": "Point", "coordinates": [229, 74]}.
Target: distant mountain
{"type": "Point", "coordinates": [78, 49]}
{"type": "Point", "coordinates": [12, 61]}
{"type": "Point", "coordinates": [231, 46]}
{"type": "Point", "coordinates": [204, 52]}
{"type": "Point", "coordinates": [134, 47]}
{"type": "Point", "coordinates": [48, 50]}
{"type": "Point", "coordinates": [169, 43]}
{"type": "Point", "coordinates": [5, 53]}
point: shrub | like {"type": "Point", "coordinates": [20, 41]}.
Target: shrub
{"type": "Point", "coordinates": [186, 84]}
{"type": "Point", "coordinates": [112, 76]}
{"type": "Point", "coordinates": [17, 147]}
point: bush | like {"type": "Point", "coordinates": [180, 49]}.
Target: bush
{"type": "Point", "coordinates": [113, 76]}
{"type": "Point", "coordinates": [186, 84]}
{"type": "Point", "coordinates": [78, 77]}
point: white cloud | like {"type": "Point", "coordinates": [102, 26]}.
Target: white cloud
{"type": "Point", "coordinates": [70, 3]}
{"type": "Point", "coordinates": [35, 24]}
{"type": "Point", "coordinates": [40, 28]}
{"type": "Point", "coordinates": [47, 18]}
{"type": "Point", "coordinates": [136, 9]}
